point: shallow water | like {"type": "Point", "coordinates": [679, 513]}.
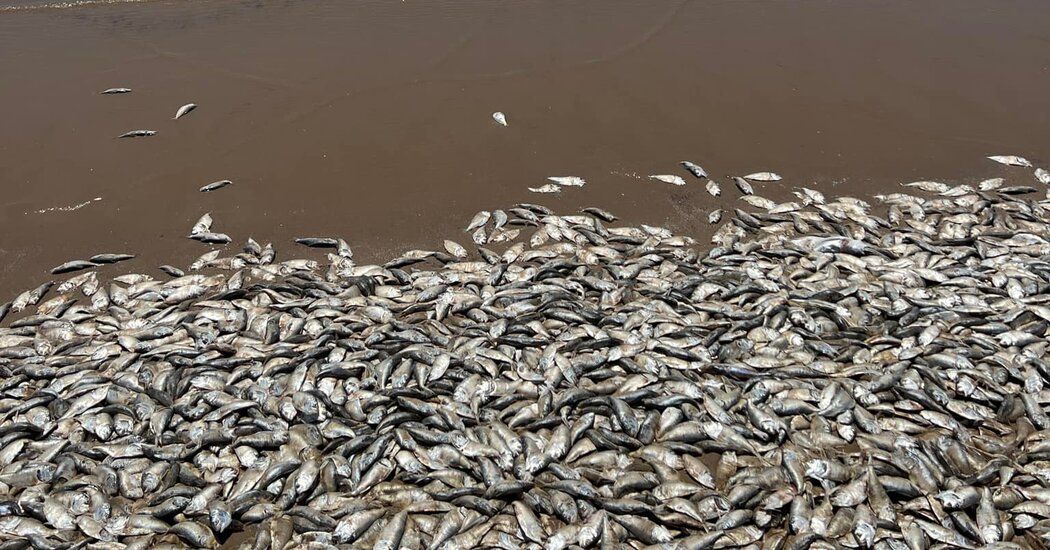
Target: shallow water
{"type": "Point", "coordinates": [371, 120]}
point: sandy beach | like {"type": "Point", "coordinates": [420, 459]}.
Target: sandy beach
{"type": "Point", "coordinates": [523, 275]}
{"type": "Point", "coordinates": [371, 120]}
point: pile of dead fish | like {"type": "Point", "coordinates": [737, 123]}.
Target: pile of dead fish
{"type": "Point", "coordinates": [832, 374]}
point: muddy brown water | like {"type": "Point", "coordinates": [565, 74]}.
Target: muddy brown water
{"type": "Point", "coordinates": [371, 120]}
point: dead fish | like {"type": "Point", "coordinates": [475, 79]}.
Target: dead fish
{"type": "Point", "coordinates": [70, 266]}
{"type": "Point", "coordinates": [763, 176]}
{"type": "Point", "coordinates": [215, 185]}
{"type": "Point", "coordinates": [479, 219]}
{"type": "Point", "coordinates": [1042, 176]}
{"type": "Point", "coordinates": [990, 184]}
{"type": "Point", "coordinates": [108, 258]}
{"type": "Point", "coordinates": [184, 110]}
{"type": "Point", "coordinates": [713, 188]}
{"type": "Point", "coordinates": [599, 213]}
{"type": "Point", "coordinates": [317, 242]}
{"type": "Point", "coordinates": [455, 249]}
{"type": "Point", "coordinates": [500, 118]}
{"type": "Point", "coordinates": [928, 186]}
{"type": "Point", "coordinates": [1011, 160]}
{"type": "Point", "coordinates": [715, 216]}
{"type": "Point", "coordinates": [548, 188]}
{"type": "Point", "coordinates": [116, 91]}
{"type": "Point", "coordinates": [211, 238]}
{"type": "Point", "coordinates": [743, 186]}
{"type": "Point", "coordinates": [138, 133]}
{"type": "Point", "coordinates": [31, 297]}
{"type": "Point", "coordinates": [203, 225]}
{"type": "Point", "coordinates": [673, 180]}
{"type": "Point", "coordinates": [172, 271]}
{"type": "Point", "coordinates": [568, 181]}
{"type": "Point", "coordinates": [694, 169]}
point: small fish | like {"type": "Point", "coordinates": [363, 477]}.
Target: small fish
{"type": "Point", "coordinates": [215, 185]}
{"type": "Point", "coordinates": [205, 259]}
{"type": "Point", "coordinates": [138, 133]}
{"type": "Point", "coordinates": [500, 118]}
{"type": "Point", "coordinates": [568, 181]}
{"type": "Point", "coordinates": [116, 91]}
{"type": "Point", "coordinates": [455, 249]}
{"type": "Point", "coordinates": [31, 297]}
{"type": "Point", "coordinates": [599, 213]}
{"type": "Point", "coordinates": [673, 180]}
{"type": "Point", "coordinates": [763, 176]}
{"type": "Point", "coordinates": [1011, 160]}
{"type": "Point", "coordinates": [1042, 176]}
{"type": "Point", "coordinates": [71, 266]}
{"type": "Point", "coordinates": [184, 110]}
{"type": "Point", "coordinates": [172, 271]}
{"type": "Point", "coordinates": [715, 216]}
{"type": "Point", "coordinates": [317, 242]}
{"type": "Point", "coordinates": [211, 238]}
{"type": "Point", "coordinates": [479, 219]}
{"type": "Point", "coordinates": [713, 188]}
{"type": "Point", "coordinates": [110, 258]}
{"type": "Point", "coordinates": [743, 186]}
{"type": "Point", "coordinates": [694, 169]}
{"type": "Point", "coordinates": [203, 225]}
{"type": "Point", "coordinates": [548, 188]}
{"type": "Point", "coordinates": [758, 202]}
{"type": "Point", "coordinates": [928, 186]}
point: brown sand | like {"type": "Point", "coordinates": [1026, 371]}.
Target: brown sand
{"type": "Point", "coordinates": [372, 120]}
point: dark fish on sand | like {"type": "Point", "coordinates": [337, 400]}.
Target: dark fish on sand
{"type": "Point", "coordinates": [318, 242]}
{"type": "Point", "coordinates": [110, 258]}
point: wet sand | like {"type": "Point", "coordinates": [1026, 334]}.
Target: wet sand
{"type": "Point", "coordinates": [372, 120]}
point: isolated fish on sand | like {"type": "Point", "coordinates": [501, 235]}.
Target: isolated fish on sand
{"type": "Point", "coordinates": [673, 180]}
{"type": "Point", "coordinates": [694, 169]}
{"type": "Point", "coordinates": [568, 181]}
{"type": "Point", "coordinates": [548, 188]}
{"type": "Point", "coordinates": [138, 133]}
{"type": "Point", "coordinates": [1011, 160]}
{"type": "Point", "coordinates": [318, 242]}
{"type": "Point", "coordinates": [216, 185]}
{"type": "Point", "coordinates": [116, 91]}
{"type": "Point", "coordinates": [110, 258]}
{"type": "Point", "coordinates": [500, 118]}
{"type": "Point", "coordinates": [763, 176]}
{"type": "Point", "coordinates": [184, 110]}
